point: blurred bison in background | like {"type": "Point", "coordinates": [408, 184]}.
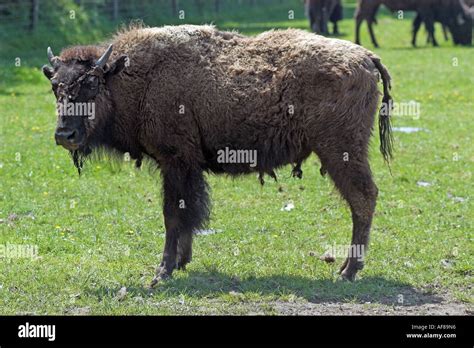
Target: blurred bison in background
{"type": "Point", "coordinates": [183, 95]}
{"type": "Point", "coordinates": [320, 12]}
{"type": "Point", "coordinates": [454, 14]}
{"type": "Point", "coordinates": [445, 14]}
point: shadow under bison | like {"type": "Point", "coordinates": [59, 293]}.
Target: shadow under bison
{"type": "Point", "coordinates": [323, 291]}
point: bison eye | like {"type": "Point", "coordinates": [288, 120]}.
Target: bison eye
{"type": "Point", "coordinates": [92, 83]}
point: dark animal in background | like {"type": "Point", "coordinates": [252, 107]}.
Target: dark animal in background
{"type": "Point", "coordinates": [452, 13]}
{"type": "Point", "coordinates": [189, 92]}
{"type": "Point", "coordinates": [320, 12]}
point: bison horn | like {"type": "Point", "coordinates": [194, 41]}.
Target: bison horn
{"type": "Point", "coordinates": [52, 59]}
{"type": "Point", "coordinates": [105, 57]}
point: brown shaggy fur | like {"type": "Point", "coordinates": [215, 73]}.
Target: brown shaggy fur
{"type": "Point", "coordinates": [237, 92]}
{"type": "Point", "coordinates": [81, 54]}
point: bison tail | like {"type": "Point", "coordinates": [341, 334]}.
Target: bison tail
{"type": "Point", "coordinates": [385, 128]}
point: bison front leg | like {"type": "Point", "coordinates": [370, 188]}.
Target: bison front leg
{"type": "Point", "coordinates": [185, 208]}
{"type": "Point", "coordinates": [185, 250]}
{"type": "Point", "coordinates": [168, 262]}
{"type": "Point", "coordinates": [416, 28]}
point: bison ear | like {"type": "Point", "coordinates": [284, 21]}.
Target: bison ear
{"type": "Point", "coordinates": [117, 66]}
{"type": "Point", "coordinates": [48, 71]}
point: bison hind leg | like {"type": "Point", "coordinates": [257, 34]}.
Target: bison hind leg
{"type": "Point", "coordinates": [349, 169]}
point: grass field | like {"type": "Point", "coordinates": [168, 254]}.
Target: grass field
{"type": "Point", "coordinates": [103, 231]}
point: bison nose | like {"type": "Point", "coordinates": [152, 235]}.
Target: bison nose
{"type": "Point", "coordinates": [66, 137]}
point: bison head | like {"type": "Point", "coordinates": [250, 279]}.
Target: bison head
{"type": "Point", "coordinates": [79, 83]}
{"type": "Point", "coordinates": [460, 25]}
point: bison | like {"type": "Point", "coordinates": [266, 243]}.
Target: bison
{"type": "Point", "coordinates": [452, 13]}
{"type": "Point", "coordinates": [320, 12]}
{"type": "Point", "coordinates": [450, 16]}
{"type": "Point", "coordinates": [184, 95]}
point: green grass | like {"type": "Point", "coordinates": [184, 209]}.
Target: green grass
{"type": "Point", "coordinates": [104, 230]}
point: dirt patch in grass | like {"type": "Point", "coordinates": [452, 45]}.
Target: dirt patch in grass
{"type": "Point", "coordinates": [413, 303]}
{"type": "Point", "coordinates": [444, 308]}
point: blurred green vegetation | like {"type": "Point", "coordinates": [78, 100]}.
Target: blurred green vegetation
{"type": "Point", "coordinates": [63, 22]}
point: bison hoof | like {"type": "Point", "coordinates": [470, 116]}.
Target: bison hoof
{"type": "Point", "coordinates": [181, 266]}
{"type": "Point", "coordinates": [161, 275]}
{"type": "Point", "coordinates": [323, 171]}
{"type": "Point", "coordinates": [297, 173]}
{"type": "Point", "coordinates": [350, 268]}
{"type": "Point", "coordinates": [348, 276]}
{"type": "Point", "coordinates": [158, 279]}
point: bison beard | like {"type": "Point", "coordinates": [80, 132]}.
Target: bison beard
{"type": "Point", "coordinates": [249, 84]}
{"type": "Point", "coordinates": [78, 158]}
